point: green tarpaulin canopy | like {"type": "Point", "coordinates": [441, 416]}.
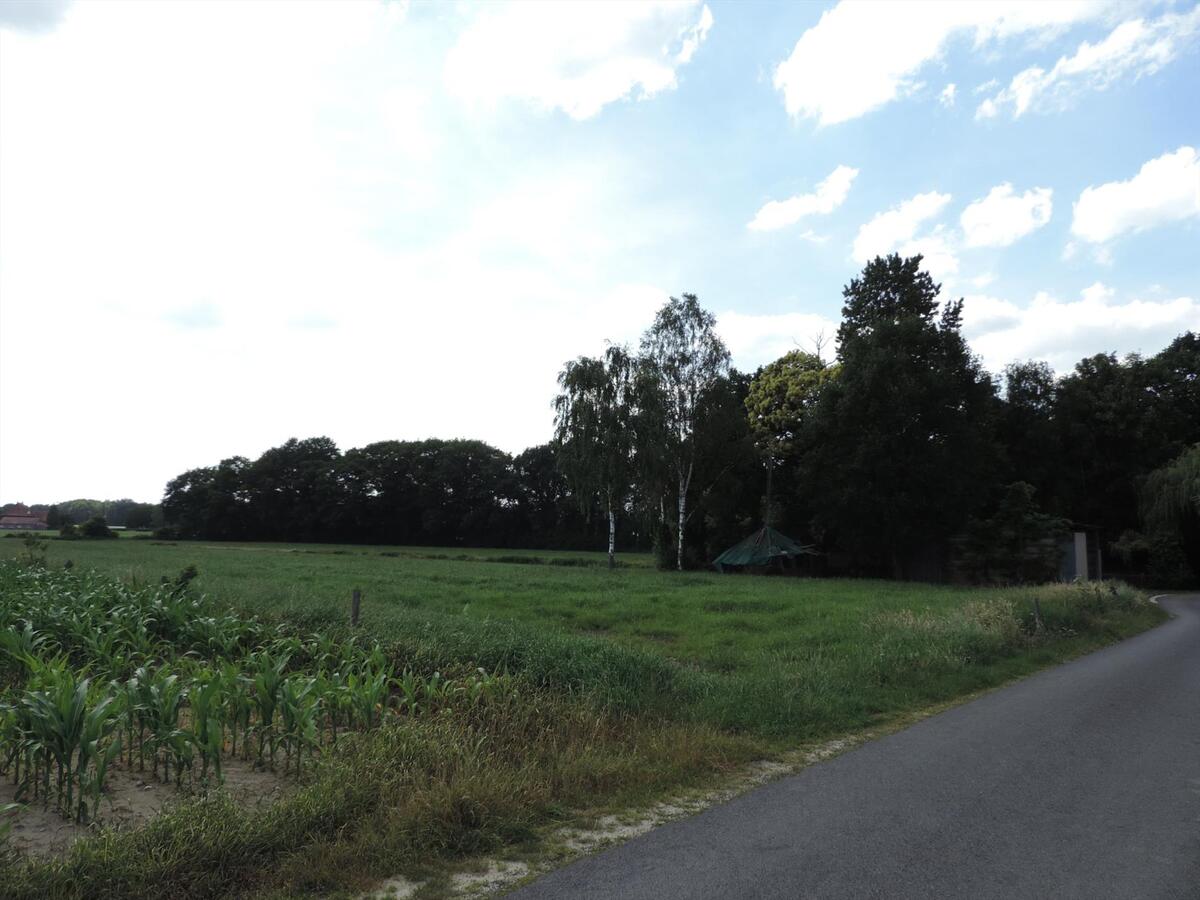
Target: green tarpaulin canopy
{"type": "Point", "coordinates": [760, 549]}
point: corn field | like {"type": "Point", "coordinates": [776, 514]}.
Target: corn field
{"type": "Point", "coordinates": [96, 675]}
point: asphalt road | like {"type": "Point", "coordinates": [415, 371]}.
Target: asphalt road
{"type": "Point", "coordinates": [1082, 781]}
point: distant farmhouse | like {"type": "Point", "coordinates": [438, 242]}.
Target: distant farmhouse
{"type": "Point", "coordinates": [19, 516]}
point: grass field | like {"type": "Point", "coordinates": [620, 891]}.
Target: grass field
{"type": "Point", "coordinates": [637, 682]}
{"type": "Point", "coordinates": [776, 657]}
{"type": "Point", "coordinates": [52, 533]}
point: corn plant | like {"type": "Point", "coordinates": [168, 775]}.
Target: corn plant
{"type": "Point", "coordinates": [367, 692]}
{"type": "Point", "coordinates": [65, 728]}
{"type": "Point", "coordinates": [238, 706]}
{"type": "Point", "coordinates": [299, 708]}
{"type": "Point", "coordinates": [98, 747]}
{"type": "Point", "coordinates": [164, 696]}
{"type": "Point", "coordinates": [267, 676]}
{"type": "Point", "coordinates": [102, 674]}
{"type": "Point", "coordinates": [57, 715]}
{"type": "Point", "coordinates": [205, 697]}
{"type": "Point", "coordinates": [22, 645]}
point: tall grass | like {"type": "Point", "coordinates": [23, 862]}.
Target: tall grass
{"type": "Point", "coordinates": [892, 661]}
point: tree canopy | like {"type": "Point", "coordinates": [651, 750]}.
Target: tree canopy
{"type": "Point", "coordinates": [900, 442]}
{"type": "Point", "coordinates": [900, 457]}
{"type": "Point", "coordinates": [686, 360]}
{"type": "Point", "coordinates": [594, 431]}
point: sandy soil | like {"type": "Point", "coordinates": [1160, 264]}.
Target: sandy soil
{"type": "Point", "coordinates": [130, 798]}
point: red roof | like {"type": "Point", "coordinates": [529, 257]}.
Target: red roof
{"type": "Point", "coordinates": [21, 521]}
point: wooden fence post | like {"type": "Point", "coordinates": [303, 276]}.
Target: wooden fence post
{"type": "Point", "coordinates": [355, 605]}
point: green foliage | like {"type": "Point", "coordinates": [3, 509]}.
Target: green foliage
{"type": "Point", "coordinates": [171, 680]}
{"type": "Point", "coordinates": [35, 550]}
{"type": "Point", "coordinates": [1157, 556]}
{"type": "Point", "coordinates": [1115, 422]}
{"type": "Point", "coordinates": [197, 699]}
{"type": "Point", "coordinates": [703, 648]}
{"type": "Point", "coordinates": [594, 432]}
{"type": "Point", "coordinates": [1017, 544]}
{"type": "Point", "coordinates": [780, 399]}
{"type": "Point", "coordinates": [431, 492]}
{"type": "Point", "coordinates": [684, 360]}
{"type": "Point", "coordinates": [124, 512]}
{"type": "Point", "coordinates": [186, 576]}
{"type": "Point", "coordinates": [96, 528]}
{"type": "Point", "coordinates": [782, 396]}
{"type": "Point", "coordinates": [1171, 504]}
{"type": "Point", "coordinates": [901, 441]}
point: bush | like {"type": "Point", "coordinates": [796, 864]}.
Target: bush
{"type": "Point", "coordinates": [1156, 559]}
{"type": "Point", "coordinates": [1019, 544]}
{"type": "Point", "coordinates": [96, 528]}
{"type": "Point", "coordinates": [69, 532]}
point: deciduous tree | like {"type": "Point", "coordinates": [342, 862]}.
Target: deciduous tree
{"type": "Point", "coordinates": [594, 419]}
{"type": "Point", "coordinates": [686, 358]}
{"type": "Point", "coordinates": [781, 398]}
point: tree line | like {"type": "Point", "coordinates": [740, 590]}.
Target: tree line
{"type": "Point", "coordinates": [900, 456]}
{"type": "Point", "coordinates": [123, 513]}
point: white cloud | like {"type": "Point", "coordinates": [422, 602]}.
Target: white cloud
{"type": "Point", "coordinates": [577, 57]}
{"type": "Point", "coordinates": [889, 230]}
{"type": "Point", "coordinates": [938, 249]}
{"type": "Point", "coordinates": [1133, 49]}
{"type": "Point", "coordinates": [1166, 189]}
{"type": "Point", "coordinates": [322, 226]}
{"type": "Point", "coordinates": [860, 56]}
{"type": "Point", "coordinates": [946, 97]}
{"type": "Point", "coordinates": [1001, 217]}
{"type": "Point", "coordinates": [755, 340]}
{"type": "Point", "coordinates": [829, 195]}
{"type": "Point", "coordinates": [813, 238]}
{"type": "Point", "coordinates": [896, 231]}
{"type": "Point", "coordinates": [1062, 332]}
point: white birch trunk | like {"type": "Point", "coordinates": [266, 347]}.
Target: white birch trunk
{"type": "Point", "coordinates": [679, 542]}
{"type": "Point", "coordinates": [684, 484]}
{"type": "Point", "coordinates": [612, 536]}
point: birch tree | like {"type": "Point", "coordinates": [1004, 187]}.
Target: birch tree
{"type": "Point", "coordinates": [685, 355]}
{"type": "Point", "coordinates": [593, 428]}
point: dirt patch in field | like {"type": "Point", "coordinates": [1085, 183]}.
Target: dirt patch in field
{"type": "Point", "coordinates": [497, 874]}
{"type": "Point", "coordinates": [130, 799]}
{"type": "Point", "coordinates": [397, 888]}
{"type": "Point", "coordinates": [609, 830]}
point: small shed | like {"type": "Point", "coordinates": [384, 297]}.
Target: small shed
{"type": "Point", "coordinates": [763, 548]}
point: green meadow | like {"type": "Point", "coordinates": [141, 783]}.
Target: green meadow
{"type": "Point", "coordinates": [782, 659]}
{"type": "Point", "coordinates": [528, 691]}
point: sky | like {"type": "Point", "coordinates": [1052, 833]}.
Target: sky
{"type": "Point", "coordinates": [227, 224]}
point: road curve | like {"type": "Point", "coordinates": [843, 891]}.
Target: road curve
{"type": "Point", "coordinates": [1081, 781]}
